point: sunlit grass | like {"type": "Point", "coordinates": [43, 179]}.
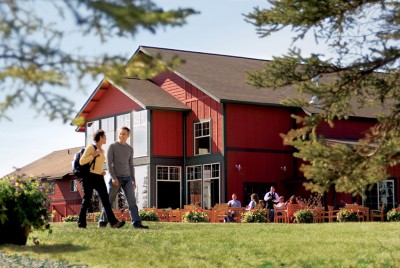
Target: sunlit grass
{"type": "Point", "coordinates": [221, 245]}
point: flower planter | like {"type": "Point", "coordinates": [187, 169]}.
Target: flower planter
{"type": "Point", "coordinates": [24, 208]}
{"type": "Point", "coordinates": [304, 216]}
{"type": "Point", "coordinates": [12, 232]}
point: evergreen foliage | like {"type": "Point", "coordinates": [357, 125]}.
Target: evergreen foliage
{"type": "Point", "coordinates": [363, 76]}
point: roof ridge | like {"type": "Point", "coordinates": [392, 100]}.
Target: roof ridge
{"type": "Point", "coordinates": [204, 53]}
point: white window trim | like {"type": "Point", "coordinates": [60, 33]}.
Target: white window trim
{"type": "Point", "coordinates": [209, 135]}
{"type": "Point", "coordinates": [179, 173]}
{"type": "Point", "coordinates": [180, 182]}
{"type": "Point", "coordinates": [73, 186]}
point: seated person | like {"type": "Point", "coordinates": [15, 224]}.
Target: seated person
{"type": "Point", "coordinates": [234, 203]}
{"type": "Point", "coordinates": [261, 204]}
{"type": "Point", "coordinates": [292, 206]}
{"type": "Point", "coordinates": [253, 202]}
{"type": "Point", "coordinates": [280, 205]}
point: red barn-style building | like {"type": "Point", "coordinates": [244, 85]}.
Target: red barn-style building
{"type": "Point", "coordinates": [201, 133]}
{"type": "Point", "coordinates": [55, 168]}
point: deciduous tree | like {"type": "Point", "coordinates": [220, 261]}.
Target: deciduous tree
{"type": "Point", "coordinates": [35, 64]}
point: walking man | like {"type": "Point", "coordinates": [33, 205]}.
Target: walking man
{"type": "Point", "coordinates": [120, 166]}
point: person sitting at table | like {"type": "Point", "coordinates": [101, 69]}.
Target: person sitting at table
{"type": "Point", "coordinates": [261, 204]}
{"type": "Point", "coordinates": [281, 205]}
{"type": "Point", "coordinates": [254, 201]}
{"type": "Point", "coordinates": [291, 207]}
{"type": "Point", "coordinates": [234, 203]}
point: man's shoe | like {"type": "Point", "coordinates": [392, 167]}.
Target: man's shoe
{"type": "Point", "coordinates": [118, 224]}
{"type": "Point", "coordinates": [82, 227]}
{"type": "Point", "coordinates": [140, 226]}
{"type": "Point", "coordinates": [102, 224]}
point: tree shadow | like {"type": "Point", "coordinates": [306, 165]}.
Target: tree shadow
{"type": "Point", "coordinates": [54, 248]}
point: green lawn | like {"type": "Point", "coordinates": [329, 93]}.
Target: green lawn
{"type": "Point", "coordinates": [372, 244]}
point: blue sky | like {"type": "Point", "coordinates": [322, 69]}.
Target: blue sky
{"type": "Point", "coordinates": [220, 29]}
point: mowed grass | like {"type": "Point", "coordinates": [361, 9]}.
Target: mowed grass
{"type": "Point", "coordinates": [372, 244]}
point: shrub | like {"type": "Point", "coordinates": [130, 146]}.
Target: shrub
{"type": "Point", "coordinates": [347, 215]}
{"type": "Point", "coordinates": [304, 216]}
{"type": "Point", "coordinates": [94, 215]}
{"type": "Point", "coordinates": [70, 218]}
{"type": "Point", "coordinates": [254, 215]}
{"type": "Point", "coordinates": [195, 215]}
{"type": "Point", "coordinates": [393, 214]}
{"type": "Point", "coordinates": [149, 215]}
{"type": "Point", "coordinates": [24, 199]}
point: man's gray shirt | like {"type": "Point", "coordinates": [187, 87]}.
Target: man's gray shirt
{"type": "Point", "coordinates": [120, 160]}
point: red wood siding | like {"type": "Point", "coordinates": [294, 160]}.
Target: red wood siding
{"type": "Point", "coordinates": [64, 202]}
{"type": "Point", "coordinates": [112, 102]}
{"type": "Point", "coordinates": [345, 129]}
{"type": "Point", "coordinates": [167, 134]}
{"type": "Point", "coordinates": [256, 167]}
{"type": "Point", "coordinates": [256, 127]}
{"type": "Point", "coordinates": [202, 105]}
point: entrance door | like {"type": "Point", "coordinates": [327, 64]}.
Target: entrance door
{"type": "Point", "coordinates": [259, 188]}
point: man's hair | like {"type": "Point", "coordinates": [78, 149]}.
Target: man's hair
{"type": "Point", "coordinates": [99, 133]}
{"type": "Point", "coordinates": [127, 129]}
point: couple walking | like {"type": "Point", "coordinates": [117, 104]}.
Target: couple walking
{"type": "Point", "coordinates": [120, 166]}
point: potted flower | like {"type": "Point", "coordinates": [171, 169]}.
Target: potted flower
{"type": "Point", "coordinates": [254, 215]}
{"type": "Point", "coordinates": [24, 207]}
{"type": "Point", "coordinates": [393, 214]}
{"type": "Point", "coordinates": [149, 215]}
{"type": "Point", "coordinates": [347, 215]}
{"type": "Point", "coordinates": [304, 216]}
{"type": "Point", "coordinates": [195, 215]}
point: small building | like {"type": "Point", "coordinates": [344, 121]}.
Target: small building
{"type": "Point", "coordinates": [56, 169]}
{"type": "Point", "coordinates": [200, 132]}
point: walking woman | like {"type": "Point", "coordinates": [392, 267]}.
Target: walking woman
{"type": "Point", "coordinates": [94, 154]}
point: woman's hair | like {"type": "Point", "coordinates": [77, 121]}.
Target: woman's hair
{"type": "Point", "coordinates": [293, 199]}
{"type": "Point", "coordinates": [255, 198]}
{"type": "Point", "coordinates": [99, 133]}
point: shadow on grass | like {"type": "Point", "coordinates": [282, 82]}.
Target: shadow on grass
{"type": "Point", "coordinates": [56, 248]}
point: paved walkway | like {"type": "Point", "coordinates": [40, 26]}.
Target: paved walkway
{"type": "Point", "coordinates": [17, 261]}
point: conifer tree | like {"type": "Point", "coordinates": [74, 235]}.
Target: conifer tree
{"type": "Point", "coordinates": [363, 76]}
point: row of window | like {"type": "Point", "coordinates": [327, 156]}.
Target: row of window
{"type": "Point", "coordinates": [111, 126]}
{"type": "Point", "coordinates": [173, 173]}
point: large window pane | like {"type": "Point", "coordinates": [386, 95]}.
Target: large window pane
{"type": "Point", "coordinates": [123, 120]}
{"type": "Point", "coordinates": [141, 177]}
{"type": "Point", "coordinates": [91, 128]}
{"type": "Point", "coordinates": [140, 133]}
{"type": "Point", "coordinates": [107, 125]}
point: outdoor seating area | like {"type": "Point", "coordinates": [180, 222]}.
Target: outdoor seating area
{"type": "Point", "coordinates": [220, 212]}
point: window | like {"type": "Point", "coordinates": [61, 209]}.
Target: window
{"type": "Point", "coordinates": [381, 193]}
{"type": "Point", "coordinates": [211, 185]}
{"type": "Point", "coordinates": [51, 187]}
{"type": "Point", "coordinates": [140, 133]}
{"type": "Point", "coordinates": [194, 176]}
{"type": "Point", "coordinates": [141, 191]}
{"type": "Point", "coordinates": [202, 138]}
{"type": "Point", "coordinates": [168, 187]}
{"type": "Point", "coordinates": [74, 186]}
{"type": "Point", "coordinates": [91, 128]}
{"type": "Point", "coordinates": [123, 120]}
{"type": "Point", "coordinates": [107, 125]}
{"type": "Point", "coordinates": [165, 173]}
